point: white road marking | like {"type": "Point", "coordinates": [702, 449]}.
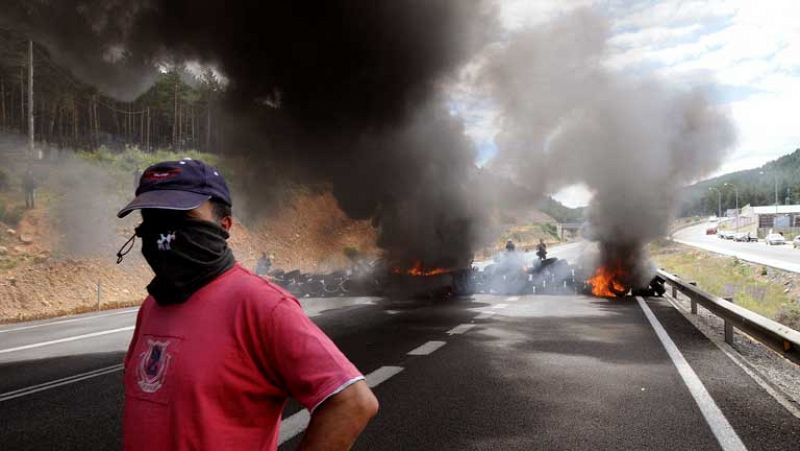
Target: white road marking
{"type": "Point", "coordinates": [500, 306]}
{"type": "Point", "coordinates": [297, 423]}
{"type": "Point", "coordinates": [64, 340]}
{"type": "Point", "coordinates": [427, 348]}
{"type": "Point", "coordinates": [293, 425]}
{"type": "Point", "coordinates": [58, 382]}
{"type": "Point", "coordinates": [460, 329]}
{"type": "Point", "coordinates": [392, 312]}
{"type": "Point", "coordinates": [739, 361]}
{"type": "Point", "coordinates": [382, 375]}
{"type": "Point", "coordinates": [513, 298]}
{"type": "Point", "coordinates": [485, 315]}
{"type": "Point", "coordinates": [71, 320]}
{"type": "Point", "coordinates": [723, 431]}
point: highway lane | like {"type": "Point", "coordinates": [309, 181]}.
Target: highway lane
{"type": "Point", "coordinates": [513, 372]}
{"type": "Point", "coordinates": [782, 257]}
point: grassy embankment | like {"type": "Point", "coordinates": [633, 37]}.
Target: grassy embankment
{"type": "Point", "coordinates": [767, 291]}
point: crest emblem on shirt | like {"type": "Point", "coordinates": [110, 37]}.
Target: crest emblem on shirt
{"type": "Point", "coordinates": [153, 365]}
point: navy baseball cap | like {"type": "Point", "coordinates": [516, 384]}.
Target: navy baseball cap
{"type": "Point", "coordinates": [178, 185]}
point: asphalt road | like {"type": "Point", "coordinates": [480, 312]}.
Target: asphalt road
{"type": "Point", "coordinates": [486, 372]}
{"type": "Point", "coordinates": [783, 257]}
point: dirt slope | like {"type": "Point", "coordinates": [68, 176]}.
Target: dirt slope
{"type": "Point", "coordinates": [37, 281]}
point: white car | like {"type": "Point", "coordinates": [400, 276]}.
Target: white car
{"type": "Point", "coordinates": [774, 238]}
{"type": "Point", "coordinates": [796, 242]}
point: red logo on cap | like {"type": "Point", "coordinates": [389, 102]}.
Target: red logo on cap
{"type": "Point", "coordinates": [155, 174]}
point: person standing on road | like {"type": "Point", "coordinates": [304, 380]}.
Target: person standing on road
{"type": "Point", "coordinates": [217, 351]}
{"type": "Point", "coordinates": [510, 246]}
{"type": "Point", "coordinates": [263, 265]}
{"type": "Point", "coordinates": [541, 250]}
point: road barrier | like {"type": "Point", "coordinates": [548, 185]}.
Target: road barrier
{"type": "Point", "coordinates": [782, 339]}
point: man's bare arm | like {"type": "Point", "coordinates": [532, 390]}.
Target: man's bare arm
{"type": "Point", "coordinates": [336, 423]}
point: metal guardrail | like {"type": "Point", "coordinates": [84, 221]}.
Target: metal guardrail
{"type": "Point", "coordinates": [782, 339]}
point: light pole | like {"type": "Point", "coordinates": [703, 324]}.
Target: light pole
{"type": "Point", "coordinates": [719, 201]}
{"type": "Point", "coordinates": [775, 175]}
{"type": "Point", "coordinates": [736, 191]}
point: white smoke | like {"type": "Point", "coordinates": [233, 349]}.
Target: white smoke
{"type": "Point", "coordinates": [565, 118]}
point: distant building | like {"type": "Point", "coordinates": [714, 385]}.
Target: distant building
{"type": "Point", "coordinates": [782, 217]}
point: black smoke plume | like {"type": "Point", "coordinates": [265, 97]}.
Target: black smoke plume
{"type": "Point", "coordinates": [341, 92]}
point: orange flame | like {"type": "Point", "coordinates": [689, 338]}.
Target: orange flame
{"type": "Point", "coordinates": [607, 281]}
{"type": "Point", "coordinates": [418, 270]}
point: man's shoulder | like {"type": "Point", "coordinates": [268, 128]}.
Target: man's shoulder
{"type": "Point", "coordinates": [247, 286]}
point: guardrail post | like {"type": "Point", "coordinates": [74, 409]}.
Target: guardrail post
{"type": "Point", "coordinates": [98, 295]}
{"type": "Point", "coordinates": [729, 327]}
{"type": "Point", "coordinates": [674, 291]}
{"type": "Point", "coordinates": [694, 301]}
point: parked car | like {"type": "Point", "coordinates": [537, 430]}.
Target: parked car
{"type": "Point", "coordinates": [774, 238]}
{"type": "Point", "coordinates": [711, 231]}
{"type": "Point", "coordinates": [726, 235]}
{"type": "Point", "coordinates": [742, 236]}
{"type": "Point", "coordinates": [796, 242]}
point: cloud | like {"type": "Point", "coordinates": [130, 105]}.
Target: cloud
{"type": "Point", "coordinates": [751, 49]}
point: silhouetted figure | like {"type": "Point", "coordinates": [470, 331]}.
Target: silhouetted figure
{"type": "Point", "coordinates": [29, 187]}
{"type": "Point", "coordinates": [263, 265]}
{"type": "Point", "coordinates": [541, 250]}
{"type": "Point", "coordinates": [510, 246]}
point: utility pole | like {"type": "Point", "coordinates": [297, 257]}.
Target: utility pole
{"type": "Point", "coordinates": [30, 99]}
{"type": "Point", "coordinates": [736, 192]}
{"type": "Point", "coordinates": [719, 201]}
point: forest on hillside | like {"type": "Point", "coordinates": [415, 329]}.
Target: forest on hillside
{"type": "Point", "coordinates": [754, 186]}
{"type": "Point", "coordinates": [180, 111]}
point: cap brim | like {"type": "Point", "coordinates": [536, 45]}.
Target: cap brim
{"type": "Point", "coordinates": [166, 200]}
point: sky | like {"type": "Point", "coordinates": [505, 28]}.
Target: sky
{"type": "Point", "coordinates": [750, 48]}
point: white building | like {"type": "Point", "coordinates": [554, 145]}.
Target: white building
{"type": "Point", "coordinates": [782, 217]}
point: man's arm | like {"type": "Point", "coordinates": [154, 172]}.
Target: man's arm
{"type": "Point", "coordinates": [338, 421]}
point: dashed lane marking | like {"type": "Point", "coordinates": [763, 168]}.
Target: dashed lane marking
{"type": "Point", "coordinates": [723, 431]}
{"type": "Point", "coordinates": [297, 423]}
{"type": "Point", "coordinates": [71, 320]}
{"type": "Point", "coordinates": [427, 348]}
{"type": "Point", "coordinates": [485, 315]}
{"type": "Point", "coordinates": [500, 306]}
{"type": "Point", "coordinates": [382, 375]}
{"type": "Point", "coordinates": [64, 340]}
{"type": "Point", "coordinates": [58, 382]}
{"type": "Point", "coordinates": [460, 329]}
{"type": "Point", "coordinates": [513, 298]}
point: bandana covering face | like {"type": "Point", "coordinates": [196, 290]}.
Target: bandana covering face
{"type": "Point", "coordinates": [185, 256]}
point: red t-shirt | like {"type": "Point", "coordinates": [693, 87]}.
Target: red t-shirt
{"type": "Point", "coordinates": [215, 372]}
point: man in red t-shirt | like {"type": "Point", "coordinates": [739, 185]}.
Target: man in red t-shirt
{"type": "Point", "coordinates": [217, 351]}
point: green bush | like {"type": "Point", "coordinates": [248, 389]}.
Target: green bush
{"type": "Point", "coordinates": [135, 158]}
{"type": "Point", "coordinates": [11, 215]}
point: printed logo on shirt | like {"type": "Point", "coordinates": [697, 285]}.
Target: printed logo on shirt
{"type": "Point", "coordinates": [164, 243]}
{"type": "Point", "coordinates": [153, 365]}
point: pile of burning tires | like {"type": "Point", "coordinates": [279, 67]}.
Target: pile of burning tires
{"type": "Point", "coordinates": [315, 285]}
